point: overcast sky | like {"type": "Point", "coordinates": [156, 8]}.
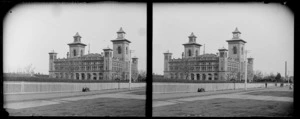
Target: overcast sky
{"type": "Point", "coordinates": [268, 30]}
{"type": "Point", "coordinates": [31, 31]}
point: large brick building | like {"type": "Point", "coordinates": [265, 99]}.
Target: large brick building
{"type": "Point", "coordinates": [225, 65]}
{"type": "Point", "coordinates": [110, 65]}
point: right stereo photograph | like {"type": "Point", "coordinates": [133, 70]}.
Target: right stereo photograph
{"type": "Point", "coordinates": [223, 60]}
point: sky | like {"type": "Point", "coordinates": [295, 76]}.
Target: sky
{"type": "Point", "coordinates": [268, 30]}
{"type": "Point", "coordinates": [31, 31]}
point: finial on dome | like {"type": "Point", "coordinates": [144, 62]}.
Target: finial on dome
{"type": "Point", "coordinates": [121, 30]}
{"type": "Point", "coordinates": [236, 30]}
{"type": "Point", "coordinates": [77, 34]}
{"type": "Point", "coordinates": [192, 35]}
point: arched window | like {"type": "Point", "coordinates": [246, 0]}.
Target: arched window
{"type": "Point", "coordinates": [74, 51]}
{"type": "Point", "coordinates": [234, 50]}
{"type": "Point", "coordinates": [222, 54]}
{"type": "Point", "coordinates": [119, 50]}
{"type": "Point", "coordinates": [192, 76]}
{"type": "Point", "coordinates": [81, 52]}
{"type": "Point", "coordinates": [196, 52]}
{"type": "Point", "coordinates": [126, 50]}
{"type": "Point", "coordinates": [190, 53]}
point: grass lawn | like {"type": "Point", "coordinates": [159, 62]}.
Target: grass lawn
{"type": "Point", "coordinates": [273, 93]}
{"type": "Point", "coordinates": [91, 107]}
{"type": "Point", "coordinates": [223, 107]}
{"type": "Point", "coordinates": [143, 92]}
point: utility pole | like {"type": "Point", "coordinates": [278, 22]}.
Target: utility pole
{"type": "Point", "coordinates": [203, 49]}
{"type": "Point", "coordinates": [89, 49]}
{"type": "Point", "coordinates": [285, 71]}
{"type": "Point", "coordinates": [246, 69]}
{"type": "Point", "coordinates": [130, 69]}
{"type": "Point", "coordinates": [288, 76]}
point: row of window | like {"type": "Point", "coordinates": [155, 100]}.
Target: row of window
{"type": "Point", "coordinates": [194, 63]}
{"type": "Point", "coordinates": [232, 69]}
{"type": "Point", "coordinates": [120, 50]}
{"type": "Point", "coordinates": [234, 49]}
{"type": "Point", "coordinates": [81, 76]}
{"type": "Point", "coordinates": [196, 68]}
{"type": "Point", "coordinates": [232, 64]}
{"type": "Point", "coordinates": [79, 68]}
{"type": "Point", "coordinates": [78, 63]}
{"type": "Point", "coordinates": [195, 76]}
{"type": "Point", "coordinates": [117, 69]}
{"type": "Point", "coordinates": [117, 64]}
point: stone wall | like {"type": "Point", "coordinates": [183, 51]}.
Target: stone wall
{"type": "Point", "coordinates": [193, 87]}
{"type": "Point", "coordinates": [19, 87]}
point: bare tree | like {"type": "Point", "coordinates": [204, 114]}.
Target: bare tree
{"type": "Point", "coordinates": [29, 69]}
{"type": "Point", "coordinates": [258, 75]}
{"type": "Point", "coordinates": [142, 74]}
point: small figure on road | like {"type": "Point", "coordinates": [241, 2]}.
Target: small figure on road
{"type": "Point", "coordinates": [291, 86]}
{"type": "Point", "coordinates": [266, 85]}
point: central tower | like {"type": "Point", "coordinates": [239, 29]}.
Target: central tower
{"type": "Point", "coordinates": [76, 48]}
{"type": "Point", "coordinates": [191, 49]}
{"type": "Point", "coordinates": [236, 47]}
{"type": "Point", "coordinates": [121, 46]}
{"type": "Point", "coordinates": [121, 51]}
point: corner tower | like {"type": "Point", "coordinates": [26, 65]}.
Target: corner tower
{"type": "Point", "coordinates": [76, 48]}
{"type": "Point", "coordinates": [250, 73]}
{"type": "Point", "coordinates": [107, 63]}
{"type": "Point", "coordinates": [168, 57]}
{"type": "Point", "coordinates": [192, 48]}
{"type": "Point", "coordinates": [223, 63]}
{"type": "Point", "coordinates": [121, 51]}
{"type": "Point", "coordinates": [52, 57]}
{"type": "Point", "coordinates": [236, 50]}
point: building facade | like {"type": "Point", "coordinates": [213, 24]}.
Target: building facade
{"type": "Point", "coordinates": [111, 64]}
{"type": "Point", "coordinates": [227, 64]}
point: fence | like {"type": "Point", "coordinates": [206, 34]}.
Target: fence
{"type": "Point", "coordinates": [193, 87]}
{"type": "Point", "coordinates": [21, 87]}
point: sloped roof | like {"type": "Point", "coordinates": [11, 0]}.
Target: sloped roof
{"type": "Point", "coordinates": [74, 43]}
{"type": "Point", "coordinates": [208, 55]}
{"type": "Point", "coordinates": [191, 43]}
{"type": "Point", "coordinates": [107, 48]}
{"type": "Point", "coordinates": [92, 55]}
{"type": "Point", "coordinates": [223, 49]}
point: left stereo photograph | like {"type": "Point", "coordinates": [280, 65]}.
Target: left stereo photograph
{"type": "Point", "coordinates": [75, 59]}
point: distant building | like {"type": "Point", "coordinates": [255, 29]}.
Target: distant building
{"type": "Point", "coordinates": [113, 64]}
{"type": "Point", "coordinates": [225, 65]}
